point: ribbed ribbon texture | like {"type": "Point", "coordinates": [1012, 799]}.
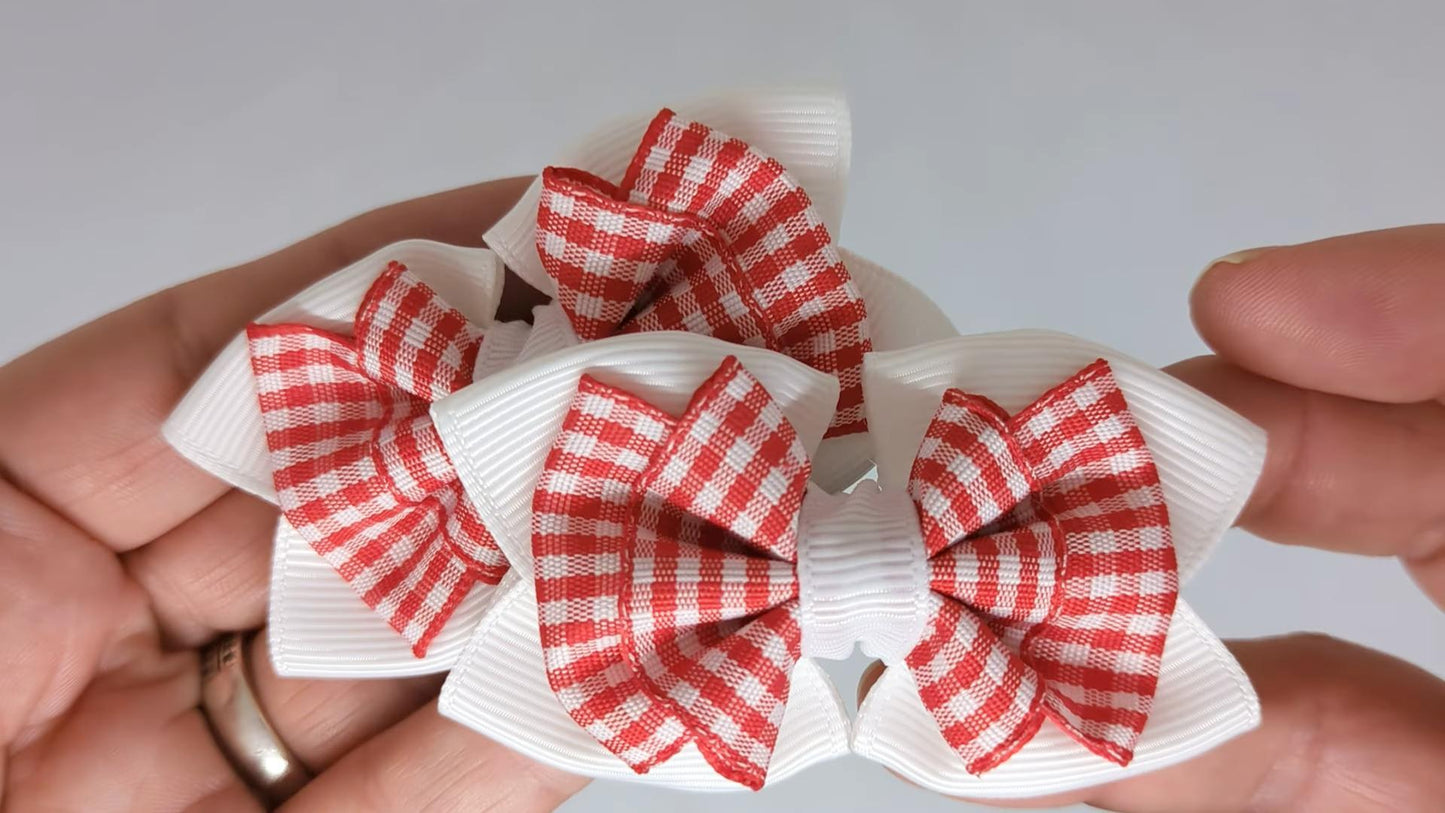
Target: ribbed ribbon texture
{"type": "Point", "coordinates": [666, 571]}
{"type": "Point", "coordinates": [705, 234]}
{"type": "Point", "coordinates": [359, 470]}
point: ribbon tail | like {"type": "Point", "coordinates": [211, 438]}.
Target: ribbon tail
{"type": "Point", "coordinates": [729, 683]}
{"type": "Point", "coordinates": [986, 701]}
{"type": "Point", "coordinates": [1099, 652]}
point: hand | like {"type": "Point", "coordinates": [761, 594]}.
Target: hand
{"type": "Point", "coordinates": [118, 559]}
{"type": "Point", "coordinates": [1337, 349]}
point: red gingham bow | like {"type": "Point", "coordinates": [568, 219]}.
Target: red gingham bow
{"type": "Point", "coordinates": [1052, 571]}
{"type": "Point", "coordinates": [666, 571]}
{"type": "Point", "coordinates": [359, 469]}
{"type": "Point", "coordinates": [706, 235]}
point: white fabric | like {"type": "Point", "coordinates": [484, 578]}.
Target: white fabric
{"type": "Point", "coordinates": [318, 626]}
{"type": "Point", "coordinates": [1208, 458]}
{"type": "Point", "coordinates": [899, 315]}
{"type": "Point", "coordinates": [862, 574]}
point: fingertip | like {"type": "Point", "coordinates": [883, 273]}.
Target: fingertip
{"type": "Point", "coordinates": [1356, 315]}
{"type": "Point", "coordinates": [1212, 289]}
{"type": "Point", "coordinates": [1231, 301]}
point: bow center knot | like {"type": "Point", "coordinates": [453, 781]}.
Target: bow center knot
{"type": "Point", "coordinates": [409, 453]}
{"type": "Point", "coordinates": [862, 574]}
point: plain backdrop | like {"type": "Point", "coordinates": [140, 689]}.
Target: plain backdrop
{"type": "Point", "coordinates": [1068, 165]}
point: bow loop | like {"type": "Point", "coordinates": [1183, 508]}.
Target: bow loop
{"type": "Point", "coordinates": [1049, 537]}
{"type": "Point", "coordinates": [707, 235]}
{"type": "Point", "coordinates": [359, 469]}
{"type": "Point", "coordinates": [1012, 572]}
{"type": "Point", "coordinates": [409, 451]}
{"type": "Point", "coordinates": [409, 338]}
{"type": "Point", "coordinates": [625, 268]}
{"type": "Point", "coordinates": [666, 584]}
{"type": "Point", "coordinates": [733, 464]}
{"type": "Point", "coordinates": [969, 471]}
{"type": "Point", "coordinates": [983, 696]}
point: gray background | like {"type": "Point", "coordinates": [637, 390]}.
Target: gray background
{"type": "Point", "coordinates": [1069, 167]}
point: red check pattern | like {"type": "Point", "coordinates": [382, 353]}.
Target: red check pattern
{"type": "Point", "coordinates": [1052, 567]}
{"type": "Point", "coordinates": [705, 234]}
{"type": "Point", "coordinates": [359, 469]}
{"type": "Point", "coordinates": [665, 555]}
{"type": "Point", "coordinates": [666, 571]}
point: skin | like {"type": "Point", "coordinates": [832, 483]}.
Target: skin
{"type": "Point", "coordinates": [118, 559]}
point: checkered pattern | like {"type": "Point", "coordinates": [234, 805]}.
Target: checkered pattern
{"type": "Point", "coordinates": [665, 557]}
{"type": "Point", "coordinates": [359, 469]}
{"type": "Point", "coordinates": [705, 234]}
{"type": "Point", "coordinates": [1052, 568]}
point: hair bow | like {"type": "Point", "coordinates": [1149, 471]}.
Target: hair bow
{"type": "Point", "coordinates": [322, 408]}
{"type": "Point", "coordinates": [358, 467]}
{"type": "Point", "coordinates": [677, 575]}
{"type": "Point", "coordinates": [704, 234]}
{"type": "Point", "coordinates": [719, 221]}
{"type": "Point", "coordinates": [667, 570]}
{"type": "Point", "coordinates": [392, 553]}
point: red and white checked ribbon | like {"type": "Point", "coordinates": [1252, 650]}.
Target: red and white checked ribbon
{"type": "Point", "coordinates": [705, 234]}
{"type": "Point", "coordinates": [666, 571]}
{"type": "Point", "coordinates": [1052, 571]}
{"type": "Point", "coordinates": [359, 470]}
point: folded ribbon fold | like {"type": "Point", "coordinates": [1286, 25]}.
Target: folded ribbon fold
{"type": "Point", "coordinates": [359, 469]}
{"type": "Point", "coordinates": [1052, 527]}
{"type": "Point", "coordinates": [667, 558]}
{"type": "Point", "coordinates": [704, 234]}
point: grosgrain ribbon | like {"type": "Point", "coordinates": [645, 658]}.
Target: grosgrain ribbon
{"type": "Point", "coordinates": [666, 553]}
{"type": "Point", "coordinates": [359, 469]}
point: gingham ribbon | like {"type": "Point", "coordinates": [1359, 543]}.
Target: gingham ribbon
{"type": "Point", "coordinates": [666, 571]}
{"type": "Point", "coordinates": [359, 469]}
{"type": "Point", "coordinates": [705, 234]}
{"type": "Point", "coordinates": [1052, 571]}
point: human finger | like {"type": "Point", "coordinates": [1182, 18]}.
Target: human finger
{"type": "Point", "coordinates": [1357, 315]}
{"type": "Point", "coordinates": [1341, 473]}
{"type": "Point", "coordinates": [211, 573]}
{"type": "Point", "coordinates": [321, 720]}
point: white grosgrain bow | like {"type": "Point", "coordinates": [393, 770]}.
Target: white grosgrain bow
{"type": "Point", "coordinates": [997, 608]}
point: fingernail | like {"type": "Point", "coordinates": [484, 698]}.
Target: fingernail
{"type": "Point", "coordinates": [1237, 258]}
